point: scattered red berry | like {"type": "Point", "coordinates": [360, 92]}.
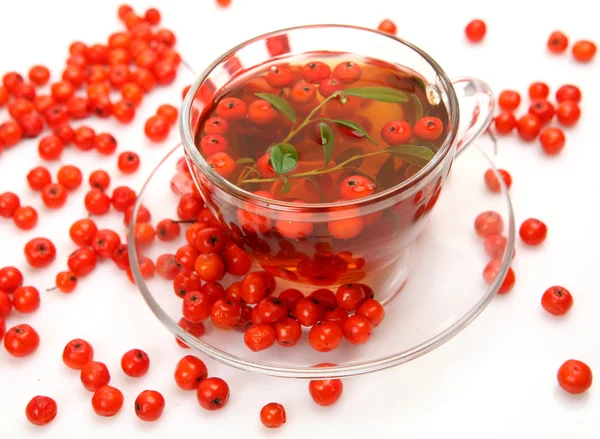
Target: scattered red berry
{"type": "Point", "coordinates": [107, 401]}
{"type": "Point", "coordinates": [94, 375]}
{"type": "Point", "coordinates": [557, 42]}
{"type": "Point", "coordinates": [492, 181]}
{"type": "Point", "coordinates": [135, 363]}
{"type": "Point", "coordinates": [325, 392]}
{"type": "Point", "coordinates": [387, 26]}
{"type": "Point", "coordinates": [509, 100]}
{"type": "Point", "coordinates": [149, 405]}
{"type": "Point", "coordinates": [26, 299]}
{"type": "Point", "coordinates": [41, 410]}
{"type": "Point", "coordinates": [575, 376]}
{"type": "Point", "coordinates": [475, 31]}
{"type": "Point", "coordinates": [77, 353]}
{"type": "Point", "coordinates": [584, 50]}
{"type": "Point", "coordinates": [21, 340]}
{"type": "Point", "coordinates": [490, 273]}
{"type": "Point", "coordinates": [539, 90]}
{"type": "Point", "coordinates": [273, 415]}
{"type": "Point", "coordinates": [557, 300]}
{"type": "Point", "coordinates": [189, 372]}
{"type": "Point", "coordinates": [568, 92]}
{"type": "Point", "coordinates": [533, 231]}
{"type": "Point", "coordinates": [212, 393]}
{"type": "Point", "coordinates": [40, 252]}
{"type": "Point", "coordinates": [553, 140]}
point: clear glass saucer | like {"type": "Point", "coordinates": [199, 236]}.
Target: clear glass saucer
{"type": "Point", "coordinates": [444, 291]}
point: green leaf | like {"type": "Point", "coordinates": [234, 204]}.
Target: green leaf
{"type": "Point", "coordinates": [418, 107]}
{"type": "Point", "coordinates": [286, 186]}
{"type": "Point", "coordinates": [284, 158]}
{"type": "Point", "coordinates": [356, 127]}
{"type": "Point", "coordinates": [245, 161]}
{"type": "Point", "coordinates": [319, 190]}
{"type": "Point", "coordinates": [280, 104]}
{"type": "Point", "coordinates": [328, 142]}
{"type": "Point", "coordinates": [383, 94]}
{"type": "Point", "coordinates": [387, 173]}
{"type": "Point", "coordinates": [350, 152]}
{"type": "Point", "coordinates": [414, 154]}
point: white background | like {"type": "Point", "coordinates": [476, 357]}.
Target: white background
{"type": "Point", "coordinates": [495, 380]}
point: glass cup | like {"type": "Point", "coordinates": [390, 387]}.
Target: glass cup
{"type": "Point", "coordinates": [379, 257]}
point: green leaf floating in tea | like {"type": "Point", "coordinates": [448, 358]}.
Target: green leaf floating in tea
{"type": "Point", "coordinates": [328, 142]}
{"type": "Point", "coordinates": [286, 186]}
{"type": "Point", "coordinates": [245, 161]}
{"type": "Point", "coordinates": [414, 154]}
{"type": "Point", "coordinates": [279, 104]}
{"type": "Point", "coordinates": [356, 127]}
{"type": "Point", "coordinates": [382, 94]}
{"type": "Point", "coordinates": [284, 158]}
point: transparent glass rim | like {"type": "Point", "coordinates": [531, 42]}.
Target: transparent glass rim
{"type": "Point", "coordinates": [352, 369]}
{"type": "Point", "coordinates": [187, 135]}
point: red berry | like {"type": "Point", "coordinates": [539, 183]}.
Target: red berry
{"type": "Point", "coordinates": [325, 392]}
{"type": "Point", "coordinates": [107, 401]}
{"type": "Point", "coordinates": [222, 163]}
{"type": "Point", "coordinates": [94, 375]}
{"type": "Point", "coordinates": [50, 148]}
{"type": "Point", "coordinates": [54, 195]}
{"type": "Point", "coordinates": [347, 72]}
{"type": "Point", "coordinates": [10, 279]}
{"type": "Point", "coordinates": [509, 100]}
{"type": "Point", "coordinates": [9, 203]}
{"type": "Point", "coordinates": [124, 111]}
{"type": "Point", "coordinates": [26, 299]}
{"type": "Point", "coordinates": [270, 310]}
{"type": "Point", "coordinates": [70, 177]}
{"type": "Point", "coordinates": [290, 298]}
{"type": "Point", "coordinates": [216, 125]}
{"type": "Point", "coordinates": [165, 71]}
{"type": "Point", "coordinates": [189, 372]}
{"type": "Point", "coordinates": [568, 113]}
{"type": "Point", "coordinates": [39, 252]}
{"type": "Point", "coordinates": [543, 109]}
{"type": "Point", "coordinates": [105, 143]}
{"type": "Point", "coordinates": [396, 132]}
{"type": "Point", "coordinates": [135, 363]}
{"type": "Point", "coordinates": [84, 138]}
{"type": "Point", "coordinates": [209, 267]}
{"type": "Point", "coordinates": [149, 405]}
{"type": "Point", "coordinates": [273, 415]}
{"type": "Point", "coordinates": [575, 376]}
{"type": "Point", "coordinates": [261, 113]}
{"type": "Point", "coordinates": [10, 133]}
{"type": "Point", "coordinates": [168, 111]}
{"type": "Point", "coordinates": [77, 353]}
{"type": "Point", "coordinates": [325, 336]}
{"type": "Point", "coordinates": [225, 314]}
{"type": "Point", "coordinates": [66, 281]}
{"type": "Point", "coordinates": [279, 77]}
{"type": "Point", "coordinates": [428, 128]}
{"type": "Point", "coordinates": [194, 329]}
{"type": "Point", "coordinates": [152, 16]}
{"type": "Point", "coordinates": [533, 231]}
{"type": "Point", "coordinates": [557, 300]}
{"type": "Point", "coordinates": [237, 262]}
{"type": "Point", "coordinates": [325, 297]}
{"type": "Point", "coordinates": [356, 186]}
{"type": "Point", "coordinates": [196, 306]}
{"type": "Point", "coordinates": [557, 42]}
{"type": "Point", "coordinates": [39, 75]}
{"type": "Point", "coordinates": [82, 232]}
{"type": "Point", "coordinates": [552, 140]}
{"type": "Point", "coordinates": [31, 125]}
{"type": "Point", "coordinates": [99, 179]}
{"type": "Point", "coordinates": [123, 198]}
{"type": "Point", "coordinates": [256, 286]}
{"type": "Point", "coordinates": [490, 273]}
{"type": "Point", "coordinates": [529, 126]}
{"type": "Point", "coordinates": [329, 86]}
{"type": "Point", "coordinates": [309, 311]}
{"type": "Point", "coordinates": [157, 128]}
{"type": "Point", "coordinates": [568, 92]}
{"type": "Point", "coordinates": [538, 90]}
{"type": "Point", "coordinates": [350, 296]}
{"type": "Point", "coordinates": [212, 393]}
{"type": "Point", "coordinates": [231, 109]}
{"type": "Point", "coordinates": [372, 310]}
{"type": "Point", "coordinates": [357, 329]}
{"type": "Point", "coordinates": [488, 223]}
{"type": "Point", "coordinates": [5, 305]}
{"type": "Point", "coordinates": [492, 181]}
{"type": "Point", "coordinates": [41, 410]}
{"type": "Point", "coordinates": [97, 202]}
{"type": "Point", "coordinates": [303, 93]}
{"type": "Point", "coordinates": [259, 337]}
{"type": "Point", "coordinates": [495, 246]}
{"type": "Point", "coordinates": [288, 331]}
{"type": "Point", "coordinates": [475, 31]}
{"type": "Point", "coordinates": [25, 217]}
{"type": "Point", "coordinates": [387, 26]}
{"type": "Point", "coordinates": [105, 242]}
{"type": "Point", "coordinates": [584, 50]}
{"type": "Point", "coordinates": [82, 261]}
{"type": "Point", "coordinates": [21, 341]}
{"type": "Point", "coordinates": [128, 162]}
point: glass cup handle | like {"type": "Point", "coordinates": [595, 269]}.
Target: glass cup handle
{"type": "Point", "coordinates": [476, 102]}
